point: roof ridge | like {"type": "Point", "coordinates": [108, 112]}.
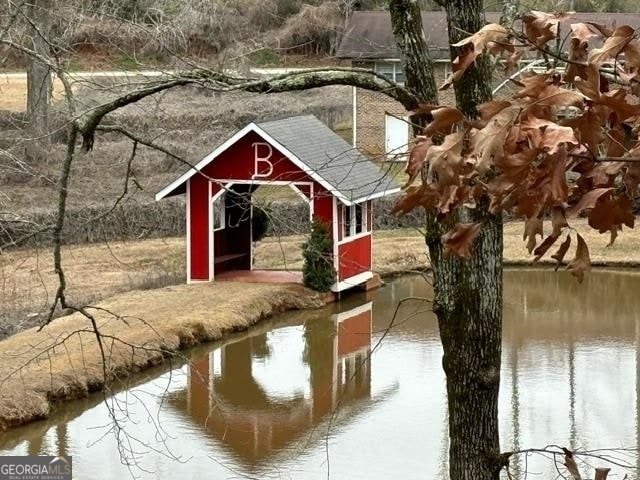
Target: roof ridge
{"type": "Point", "coordinates": [282, 118]}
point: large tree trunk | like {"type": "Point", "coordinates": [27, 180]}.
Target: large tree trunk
{"type": "Point", "coordinates": [468, 299]}
{"type": "Point", "coordinates": [39, 81]}
{"type": "Point", "coordinates": [468, 303]}
{"type": "Point", "coordinates": [467, 294]}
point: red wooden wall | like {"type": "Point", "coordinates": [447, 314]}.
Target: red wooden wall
{"type": "Point", "coordinates": [354, 257]}
{"type": "Point", "coordinates": [199, 217]}
{"type": "Point", "coordinates": [237, 163]}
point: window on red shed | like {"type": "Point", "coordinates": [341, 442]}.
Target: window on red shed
{"type": "Point", "coordinates": [218, 206]}
{"type": "Point", "coordinates": [354, 220]}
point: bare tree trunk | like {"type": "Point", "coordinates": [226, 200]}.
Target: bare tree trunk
{"type": "Point", "coordinates": [406, 24]}
{"type": "Point", "coordinates": [509, 12]}
{"type": "Point", "coordinates": [468, 294]}
{"type": "Point", "coordinates": [468, 299]}
{"type": "Point", "coordinates": [39, 81]}
{"type": "Point", "coordinates": [468, 303]}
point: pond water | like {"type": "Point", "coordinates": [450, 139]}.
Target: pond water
{"type": "Point", "coordinates": [335, 393]}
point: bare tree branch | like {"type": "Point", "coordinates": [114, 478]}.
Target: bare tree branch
{"type": "Point", "coordinates": [294, 81]}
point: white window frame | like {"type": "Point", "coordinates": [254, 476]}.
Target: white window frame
{"type": "Point", "coordinates": [396, 69]}
{"type": "Point", "coordinates": [447, 69]}
{"type": "Point", "coordinates": [219, 202]}
{"type": "Point", "coordinates": [352, 224]}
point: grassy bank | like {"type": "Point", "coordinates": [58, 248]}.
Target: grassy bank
{"type": "Point", "coordinates": [64, 360]}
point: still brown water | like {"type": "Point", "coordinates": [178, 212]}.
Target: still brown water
{"type": "Point", "coordinates": [327, 394]}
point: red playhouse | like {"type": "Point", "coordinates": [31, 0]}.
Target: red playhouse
{"type": "Point", "coordinates": [336, 180]}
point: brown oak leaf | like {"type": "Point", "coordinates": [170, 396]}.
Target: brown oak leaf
{"type": "Point", "coordinates": [578, 52]}
{"type": "Point", "coordinates": [420, 196]}
{"type": "Point", "coordinates": [425, 109]}
{"type": "Point", "coordinates": [611, 213]}
{"type": "Point", "coordinates": [532, 84]}
{"type": "Point", "coordinates": [492, 33]}
{"type": "Point", "coordinates": [588, 201]}
{"type": "Point", "coordinates": [613, 45]}
{"type": "Point", "coordinates": [603, 174]}
{"type": "Point", "coordinates": [558, 221]}
{"type": "Point", "coordinates": [450, 196]}
{"type": "Point", "coordinates": [540, 27]}
{"type": "Point", "coordinates": [459, 241]}
{"type": "Point", "coordinates": [547, 135]}
{"type": "Point", "coordinates": [445, 160]}
{"type": "Point", "coordinates": [489, 142]}
{"type": "Point", "coordinates": [417, 157]}
{"type": "Point", "coordinates": [582, 32]}
{"type": "Point", "coordinates": [556, 96]}
{"type": "Point", "coordinates": [581, 263]}
{"type": "Point", "coordinates": [589, 84]}
{"type": "Point", "coordinates": [493, 37]}
{"type": "Point", "coordinates": [588, 127]}
{"type": "Point", "coordinates": [460, 64]}
{"type": "Point", "coordinates": [603, 29]}
{"type": "Point", "coordinates": [487, 110]}
{"type": "Point", "coordinates": [546, 244]}
{"type": "Point", "coordinates": [620, 102]}
{"type": "Point", "coordinates": [444, 119]}
{"type": "Point", "coordinates": [558, 188]}
{"type": "Point", "coordinates": [562, 251]}
{"type": "Point", "coordinates": [516, 167]}
{"type": "Point", "coordinates": [532, 228]}
{"type": "Point", "coordinates": [632, 58]}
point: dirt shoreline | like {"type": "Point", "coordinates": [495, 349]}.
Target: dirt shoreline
{"type": "Point", "coordinates": [159, 323]}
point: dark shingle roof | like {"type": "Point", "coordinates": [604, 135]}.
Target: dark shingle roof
{"type": "Point", "coordinates": [347, 172]}
{"type": "Point", "coordinates": [368, 34]}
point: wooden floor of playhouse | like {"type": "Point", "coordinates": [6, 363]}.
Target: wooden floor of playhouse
{"type": "Point", "coordinates": [261, 276]}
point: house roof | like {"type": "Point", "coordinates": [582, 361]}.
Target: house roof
{"type": "Point", "coordinates": [368, 35]}
{"type": "Point", "coordinates": [315, 149]}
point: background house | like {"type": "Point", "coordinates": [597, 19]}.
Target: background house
{"type": "Point", "coordinates": [379, 123]}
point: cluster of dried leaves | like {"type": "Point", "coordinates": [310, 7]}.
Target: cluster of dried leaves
{"type": "Point", "coordinates": [563, 146]}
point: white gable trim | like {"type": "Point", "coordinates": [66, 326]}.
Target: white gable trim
{"type": "Point", "coordinates": [203, 163]}
{"type": "Point", "coordinates": [252, 127]}
{"type": "Point", "coordinates": [377, 195]}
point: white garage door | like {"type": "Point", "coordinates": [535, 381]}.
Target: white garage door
{"type": "Point", "coordinates": [397, 137]}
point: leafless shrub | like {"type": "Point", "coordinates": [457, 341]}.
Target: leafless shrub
{"type": "Point", "coordinates": [144, 31]}
{"type": "Point", "coordinates": [314, 29]}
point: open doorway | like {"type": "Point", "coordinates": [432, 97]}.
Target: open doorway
{"type": "Point", "coordinates": [259, 227]}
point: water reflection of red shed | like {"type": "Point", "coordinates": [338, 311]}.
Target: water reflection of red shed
{"type": "Point", "coordinates": [226, 397]}
{"type": "Point", "coordinates": [337, 182]}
